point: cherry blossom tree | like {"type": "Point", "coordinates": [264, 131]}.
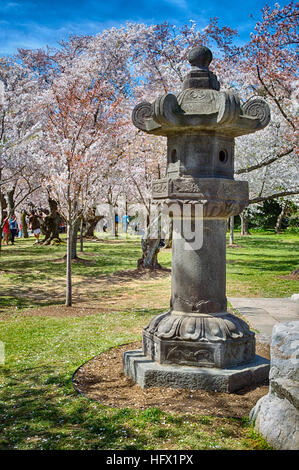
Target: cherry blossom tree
{"type": "Point", "coordinates": [82, 82]}
{"type": "Point", "coordinates": [266, 161]}
{"type": "Point", "coordinates": [267, 67]}
{"type": "Point", "coordinates": [79, 114]}
{"type": "Point", "coordinates": [19, 130]}
{"type": "Point", "coordinates": [145, 162]}
{"type": "Point", "coordinates": [269, 63]}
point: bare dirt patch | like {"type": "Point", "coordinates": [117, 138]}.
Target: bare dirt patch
{"type": "Point", "coordinates": [102, 379]}
{"type": "Point", "coordinates": [62, 260]}
{"type": "Point", "coordinates": [123, 290]}
{"type": "Point", "coordinates": [291, 277]}
{"type": "Point", "coordinates": [140, 274]}
{"type": "Point", "coordinates": [61, 311]}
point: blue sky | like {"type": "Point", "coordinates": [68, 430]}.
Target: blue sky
{"type": "Point", "coordinates": [37, 23]}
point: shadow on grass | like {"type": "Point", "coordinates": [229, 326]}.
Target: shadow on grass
{"type": "Point", "coordinates": [29, 266]}
{"type": "Point", "coordinates": [263, 255]}
{"type": "Point", "coordinates": [277, 265]}
{"type": "Point", "coordinates": [40, 410]}
{"type": "Point", "coordinates": [264, 243]}
{"type": "Point", "coordinates": [21, 298]}
{"type": "Point", "coordinates": [27, 269]}
{"type": "Point", "coordinates": [13, 302]}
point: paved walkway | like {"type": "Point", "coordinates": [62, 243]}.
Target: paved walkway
{"type": "Point", "coordinates": [263, 313]}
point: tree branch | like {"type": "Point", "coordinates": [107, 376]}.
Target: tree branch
{"type": "Point", "coordinates": [273, 196]}
{"type": "Point", "coordinates": [264, 163]}
{"type": "Point", "coordinates": [274, 99]}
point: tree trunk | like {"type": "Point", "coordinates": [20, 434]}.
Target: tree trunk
{"type": "Point", "coordinates": [284, 208]}
{"type": "Point", "coordinates": [68, 300]}
{"type": "Point", "coordinates": [170, 234]}
{"type": "Point", "coordinates": [81, 235]}
{"type": "Point", "coordinates": [231, 229]}
{"type": "Point", "coordinates": [11, 202]}
{"type": "Point", "coordinates": [3, 205]}
{"type": "Point", "coordinates": [244, 223]}
{"type": "Point", "coordinates": [24, 225]}
{"type": "Point", "coordinates": [150, 248]}
{"type": "Point", "coordinates": [50, 224]}
{"type": "Point", "coordinates": [90, 223]}
{"type": "Point", "coordinates": [75, 230]}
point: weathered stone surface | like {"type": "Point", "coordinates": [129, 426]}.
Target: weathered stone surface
{"type": "Point", "coordinates": [200, 77]}
{"type": "Point", "coordinates": [199, 191]}
{"type": "Point", "coordinates": [200, 156]}
{"type": "Point", "coordinates": [285, 351]}
{"type": "Point", "coordinates": [276, 415]}
{"type": "Point", "coordinates": [257, 109]}
{"type": "Point", "coordinates": [141, 112]}
{"type": "Point", "coordinates": [200, 106]}
{"type": "Point", "coordinates": [220, 197]}
{"type": "Point", "coordinates": [199, 340]}
{"type": "Point", "coordinates": [147, 373]}
{"type": "Point", "coordinates": [195, 188]}
{"type": "Point", "coordinates": [201, 354]}
{"type": "Point", "coordinates": [277, 419]}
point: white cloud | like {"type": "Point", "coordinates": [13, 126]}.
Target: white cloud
{"type": "Point", "coordinates": [34, 36]}
{"type": "Point", "coordinates": [178, 3]}
{"type": "Point", "coordinates": [5, 6]}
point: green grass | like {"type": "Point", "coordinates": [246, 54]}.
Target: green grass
{"type": "Point", "coordinates": [260, 264]}
{"type": "Point", "coordinates": [39, 408]}
{"type": "Point", "coordinates": [30, 276]}
{"type": "Point", "coordinates": [34, 275]}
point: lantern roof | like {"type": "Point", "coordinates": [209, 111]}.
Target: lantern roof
{"type": "Point", "coordinates": [200, 106]}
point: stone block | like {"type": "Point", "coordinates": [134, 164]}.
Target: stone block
{"type": "Point", "coordinates": [220, 354]}
{"type": "Point", "coordinates": [147, 373]}
{"type": "Point", "coordinates": [276, 415]}
{"type": "Point", "coordinates": [204, 340]}
{"type": "Point", "coordinates": [285, 351]}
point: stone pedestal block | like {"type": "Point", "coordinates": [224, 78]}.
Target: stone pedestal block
{"type": "Point", "coordinates": [147, 373]}
{"type": "Point", "coordinates": [202, 340]}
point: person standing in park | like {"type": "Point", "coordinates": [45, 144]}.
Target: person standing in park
{"type": "Point", "coordinates": [13, 228]}
{"type": "Point", "coordinates": [20, 234]}
{"type": "Point", "coordinates": [6, 230]}
{"type": "Point", "coordinates": [116, 224]}
{"type": "Point", "coordinates": [34, 225]}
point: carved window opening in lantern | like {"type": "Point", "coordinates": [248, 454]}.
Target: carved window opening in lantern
{"type": "Point", "coordinates": [223, 156]}
{"type": "Point", "coordinates": [173, 156]}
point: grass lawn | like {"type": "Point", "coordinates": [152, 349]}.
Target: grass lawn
{"type": "Point", "coordinates": [39, 408]}
{"type": "Point", "coordinates": [260, 264]}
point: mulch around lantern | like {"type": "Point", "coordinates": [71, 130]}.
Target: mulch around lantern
{"type": "Point", "coordinates": [102, 379]}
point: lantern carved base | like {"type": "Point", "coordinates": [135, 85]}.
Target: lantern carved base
{"type": "Point", "coordinates": [196, 339]}
{"type": "Point", "coordinates": [147, 373]}
{"type": "Point", "coordinates": [197, 351]}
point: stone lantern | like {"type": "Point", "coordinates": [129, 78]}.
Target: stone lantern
{"type": "Point", "coordinates": [197, 344]}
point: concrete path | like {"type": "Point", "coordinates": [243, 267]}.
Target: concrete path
{"type": "Point", "coordinates": [263, 313]}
